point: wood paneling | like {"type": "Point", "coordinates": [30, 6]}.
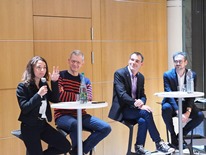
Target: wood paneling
{"type": "Point", "coordinates": [68, 8]}
{"type": "Point", "coordinates": [131, 21]}
{"type": "Point", "coordinates": [62, 29]}
{"type": "Point", "coordinates": [15, 40]}
{"type": "Point", "coordinates": [55, 38]}
{"type": "Point", "coordinates": [16, 20]}
{"type": "Point", "coordinates": [16, 46]}
{"type": "Point", "coordinates": [14, 57]}
{"type": "Point", "coordinates": [9, 112]}
{"type": "Point", "coordinates": [12, 146]}
{"type": "Point", "coordinates": [116, 143]}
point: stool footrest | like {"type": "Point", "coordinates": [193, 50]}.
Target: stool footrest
{"type": "Point", "coordinates": [194, 137]}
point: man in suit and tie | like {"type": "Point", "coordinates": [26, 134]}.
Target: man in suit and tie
{"type": "Point", "coordinates": [173, 78]}
{"type": "Point", "coordinates": [129, 102]}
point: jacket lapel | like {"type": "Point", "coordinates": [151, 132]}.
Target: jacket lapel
{"type": "Point", "coordinates": [174, 76]}
{"type": "Point", "coordinates": [128, 78]}
{"type": "Point", "coordinates": [138, 86]}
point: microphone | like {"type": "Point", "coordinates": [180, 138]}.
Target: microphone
{"type": "Point", "coordinates": [43, 80]}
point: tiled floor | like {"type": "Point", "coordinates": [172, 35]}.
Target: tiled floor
{"type": "Point", "coordinates": [185, 152]}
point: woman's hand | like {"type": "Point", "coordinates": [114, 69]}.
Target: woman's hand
{"type": "Point", "coordinates": [42, 91]}
{"type": "Point", "coordinates": [55, 74]}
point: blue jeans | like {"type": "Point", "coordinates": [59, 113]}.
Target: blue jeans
{"type": "Point", "coordinates": [69, 124]}
{"type": "Point", "coordinates": [145, 122]}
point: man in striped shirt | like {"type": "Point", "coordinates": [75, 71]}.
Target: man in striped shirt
{"type": "Point", "coordinates": [66, 119]}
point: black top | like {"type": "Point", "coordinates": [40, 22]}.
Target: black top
{"type": "Point", "coordinates": [30, 102]}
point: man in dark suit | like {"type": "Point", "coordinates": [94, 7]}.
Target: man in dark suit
{"type": "Point", "coordinates": [172, 79]}
{"type": "Point", "coordinates": [129, 101]}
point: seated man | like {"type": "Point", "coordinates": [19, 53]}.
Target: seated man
{"type": "Point", "coordinates": [69, 84]}
{"type": "Point", "coordinates": [172, 79]}
{"type": "Point", "coordinates": [129, 101]}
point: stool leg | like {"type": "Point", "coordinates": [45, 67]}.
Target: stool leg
{"type": "Point", "coordinates": [189, 146]}
{"type": "Point", "coordinates": [90, 153]}
{"type": "Point", "coordinates": [130, 140]}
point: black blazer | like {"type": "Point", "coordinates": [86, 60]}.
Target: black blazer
{"type": "Point", "coordinates": [122, 93]}
{"type": "Point", "coordinates": [171, 83]}
{"type": "Point", "coordinates": [30, 102]}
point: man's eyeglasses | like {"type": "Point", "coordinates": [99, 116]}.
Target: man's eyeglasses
{"type": "Point", "coordinates": [74, 61]}
{"type": "Point", "coordinates": [178, 61]}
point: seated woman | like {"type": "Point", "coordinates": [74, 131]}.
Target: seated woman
{"type": "Point", "coordinates": [33, 97]}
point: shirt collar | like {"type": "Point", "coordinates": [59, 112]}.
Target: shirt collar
{"type": "Point", "coordinates": [130, 72]}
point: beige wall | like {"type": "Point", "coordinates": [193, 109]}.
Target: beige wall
{"type": "Point", "coordinates": [53, 28]}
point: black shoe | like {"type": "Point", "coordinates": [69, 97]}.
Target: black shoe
{"type": "Point", "coordinates": [185, 145]}
{"type": "Point", "coordinates": [163, 147]}
{"type": "Point", "coordinates": [139, 150]}
{"type": "Point", "coordinates": [175, 146]}
{"type": "Point", "coordinates": [74, 152]}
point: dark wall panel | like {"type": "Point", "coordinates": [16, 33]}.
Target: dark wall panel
{"type": "Point", "coordinates": [198, 42]}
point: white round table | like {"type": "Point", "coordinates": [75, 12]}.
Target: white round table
{"type": "Point", "coordinates": [180, 96]}
{"type": "Point", "coordinates": [77, 105]}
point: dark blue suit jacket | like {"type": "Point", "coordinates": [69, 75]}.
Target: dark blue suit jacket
{"type": "Point", "coordinates": [122, 93]}
{"type": "Point", "coordinates": [171, 83]}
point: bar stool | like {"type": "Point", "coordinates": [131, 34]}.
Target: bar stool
{"type": "Point", "coordinates": [17, 133]}
{"type": "Point", "coordinates": [130, 124]}
{"type": "Point", "coordinates": [188, 145]}
{"type": "Point", "coordinates": [188, 141]}
{"type": "Point", "coordinates": [64, 133]}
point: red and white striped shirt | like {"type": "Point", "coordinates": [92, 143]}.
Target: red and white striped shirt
{"type": "Point", "coordinates": [68, 88]}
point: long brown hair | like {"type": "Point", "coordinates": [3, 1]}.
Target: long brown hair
{"type": "Point", "coordinates": [28, 75]}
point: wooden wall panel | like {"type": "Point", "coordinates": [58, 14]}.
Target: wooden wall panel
{"type": "Point", "coordinates": [15, 39]}
{"type": "Point", "coordinates": [133, 21]}
{"type": "Point", "coordinates": [16, 20]}
{"type": "Point", "coordinates": [68, 8]}
{"type": "Point", "coordinates": [96, 48]}
{"type": "Point", "coordinates": [62, 29]}
{"type": "Point", "coordinates": [55, 38]}
{"type": "Point", "coordinates": [116, 144]}
{"type": "Point", "coordinates": [12, 146]}
{"type": "Point", "coordinates": [16, 46]}
{"type": "Point", "coordinates": [9, 117]}
{"type": "Point", "coordinates": [14, 58]}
